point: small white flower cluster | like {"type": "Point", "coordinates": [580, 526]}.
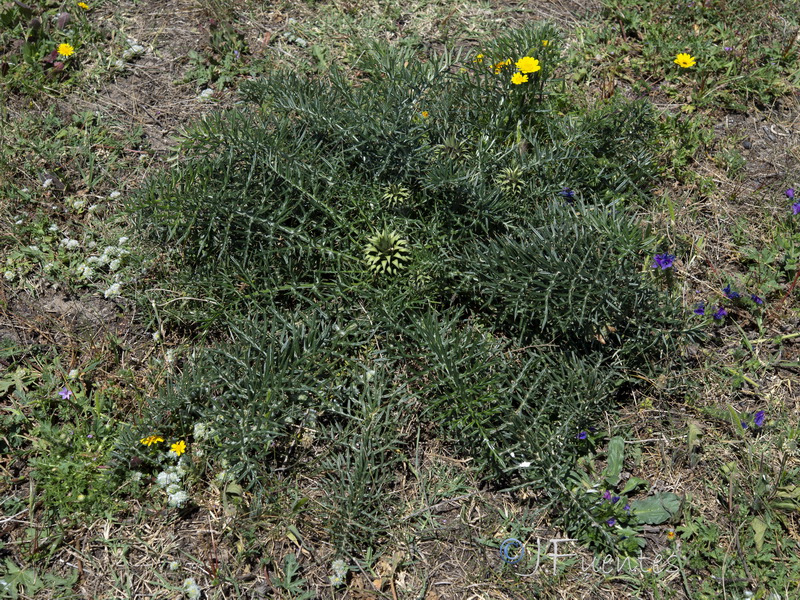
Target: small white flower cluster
{"type": "Point", "coordinates": [191, 589]}
{"type": "Point", "coordinates": [170, 481]}
{"type": "Point", "coordinates": [85, 271]}
{"type": "Point", "coordinates": [339, 568]}
{"type": "Point", "coordinates": [113, 257]}
{"type": "Point", "coordinates": [112, 291]}
{"type": "Point", "coordinates": [203, 431]}
{"type": "Point", "coordinates": [78, 205]}
{"type": "Point", "coordinates": [206, 94]}
{"type": "Point", "coordinates": [134, 50]}
{"type": "Point", "coordinates": [174, 565]}
{"type": "Point", "coordinates": [70, 244]}
{"type": "Point", "coordinates": [291, 37]}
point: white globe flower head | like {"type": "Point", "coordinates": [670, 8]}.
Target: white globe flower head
{"type": "Point", "coordinates": [191, 589]}
{"type": "Point", "coordinates": [177, 499]}
{"type": "Point", "coordinates": [114, 290]}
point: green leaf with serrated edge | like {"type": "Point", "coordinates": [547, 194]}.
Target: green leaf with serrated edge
{"type": "Point", "coordinates": [656, 509]}
{"type": "Point", "coordinates": [759, 529]}
{"type": "Point", "coordinates": [616, 454]}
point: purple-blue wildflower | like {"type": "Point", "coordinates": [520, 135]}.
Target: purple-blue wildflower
{"type": "Point", "coordinates": [789, 193]}
{"type": "Point", "coordinates": [721, 313]}
{"type": "Point", "coordinates": [567, 193]}
{"type": "Point", "coordinates": [758, 419]}
{"type": "Point", "coordinates": [607, 495]}
{"type": "Point", "coordinates": [65, 393]}
{"type": "Point", "coordinates": [728, 49]}
{"type": "Point", "coordinates": [611, 522]}
{"type": "Point", "coordinates": [796, 208]}
{"type": "Point", "coordinates": [758, 300]}
{"type": "Point", "coordinates": [627, 507]}
{"type": "Point", "coordinates": [582, 435]}
{"type": "Point", "coordinates": [614, 499]}
{"type": "Point", "coordinates": [730, 293]}
{"type": "Point", "coordinates": [663, 261]}
{"type": "Point", "coordinates": [701, 309]}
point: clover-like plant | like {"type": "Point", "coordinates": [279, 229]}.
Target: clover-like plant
{"type": "Point", "coordinates": [386, 253]}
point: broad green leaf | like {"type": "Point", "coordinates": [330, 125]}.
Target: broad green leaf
{"type": "Point", "coordinates": [632, 484]}
{"type": "Point", "coordinates": [616, 454]}
{"type": "Point", "coordinates": [694, 436]}
{"type": "Point", "coordinates": [759, 529]}
{"type": "Point", "coordinates": [656, 509]}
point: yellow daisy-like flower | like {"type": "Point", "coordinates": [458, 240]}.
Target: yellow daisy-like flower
{"type": "Point", "coordinates": [65, 50]}
{"type": "Point", "coordinates": [671, 535]}
{"type": "Point", "coordinates": [684, 60]}
{"type": "Point", "coordinates": [178, 448]}
{"type": "Point", "coordinates": [151, 439]}
{"type": "Point", "coordinates": [498, 67]}
{"type": "Point", "coordinates": [425, 114]}
{"type": "Point", "coordinates": [545, 42]}
{"type": "Point", "coordinates": [526, 64]}
{"type": "Point", "coordinates": [83, 5]}
{"type": "Point", "coordinates": [518, 78]}
{"type": "Point", "coordinates": [478, 59]}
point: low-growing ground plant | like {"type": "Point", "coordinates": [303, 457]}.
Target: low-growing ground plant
{"type": "Point", "coordinates": [504, 309]}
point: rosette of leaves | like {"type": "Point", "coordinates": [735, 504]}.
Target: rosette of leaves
{"type": "Point", "coordinates": [386, 253]}
{"type": "Point", "coordinates": [511, 180]}
{"type": "Point", "coordinates": [453, 148]}
{"type": "Point", "coordinates": [396, 195]}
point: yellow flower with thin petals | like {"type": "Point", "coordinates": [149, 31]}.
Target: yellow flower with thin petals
{"type": "Point", "coordinates": [545, 42]}
{"type": "Point", "coordinates": [178, 448]}
{"type": "Point", "coordinates": [65, 50]}
{"type": "Point", "coordinates": [478, 59]}
{"type": "Point", "coordinates": [498, 67]}
{"type": "Point", "coordinates": [151, 439]}
{"type": "Point", "coordinates": [684, 60]}
{"type": "Point", "coordinates": [83, 5]}
{"type": "Point", "coordinates": [425, 114]}
{"type": "Point", "coordinates": [671, 535]}
{"type": "Point", "coordinates": [526, 64]}
{"type": "Point", "coordinates": [518, 78]}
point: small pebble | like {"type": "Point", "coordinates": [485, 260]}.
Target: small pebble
{"type": "Point", "coordinates": [747, 145]}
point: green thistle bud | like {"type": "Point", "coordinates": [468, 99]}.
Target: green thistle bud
{"type": "Point", "coordinates": [386, 252]}
{"type": "Point", "coordinates": [511, 180]}
{"type": "Point", "coordinates": [396, 194]}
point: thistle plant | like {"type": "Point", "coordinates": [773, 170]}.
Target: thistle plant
{"type": "Point", "coordinates": [396, 195]}
{"type": "Point", "coordinates": [386, 253]}
{"type": "Point", "coordinates": [511, 180]}
{"type": "Point", "coordinates": [522, 314]}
